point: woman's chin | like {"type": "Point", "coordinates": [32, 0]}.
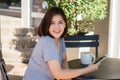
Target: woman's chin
{"type": "Point", "coordinates": [57, 36]}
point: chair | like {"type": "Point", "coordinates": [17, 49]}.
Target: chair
{"type": "Point", "coordinates": [3, 73]}
{"type": "Point", "coordinates": [83, 41]}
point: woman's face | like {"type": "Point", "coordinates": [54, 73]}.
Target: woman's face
{"type": "Point", "coordinates": [57, 26]}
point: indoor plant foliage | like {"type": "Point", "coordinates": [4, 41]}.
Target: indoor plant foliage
{"type": "Point", "coordinates": [81, 13]}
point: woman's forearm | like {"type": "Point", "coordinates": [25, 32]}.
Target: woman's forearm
{"type": "Point", "coordinates": [71, 73]}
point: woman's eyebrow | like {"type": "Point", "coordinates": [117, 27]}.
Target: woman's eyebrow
{"type": "Point", "coordinates": [61, 20]}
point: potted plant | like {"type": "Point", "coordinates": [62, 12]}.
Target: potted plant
{"type": "Point", "coordinates": [80, 13]}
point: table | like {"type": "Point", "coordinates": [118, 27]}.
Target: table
{"type": "Point", "coordinates": [108, 69]}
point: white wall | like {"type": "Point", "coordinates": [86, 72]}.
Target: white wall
{"type": "Point", "coordinates": [26, 8]}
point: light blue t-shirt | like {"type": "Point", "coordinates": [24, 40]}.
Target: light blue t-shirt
{"type": "Point", "coordinates": [44, 51]}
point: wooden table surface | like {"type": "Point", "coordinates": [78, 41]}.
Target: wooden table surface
{"type": "Point", "coordinates": [108, 69]}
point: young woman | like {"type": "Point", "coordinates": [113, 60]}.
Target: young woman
{"type": "Point", "coordinates": [48, 60]}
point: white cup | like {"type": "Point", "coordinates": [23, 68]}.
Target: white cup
{"type": "Point", "coordinates": [87, 58]}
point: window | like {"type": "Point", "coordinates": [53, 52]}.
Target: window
{"type": "Point", "coordinates": [7, 3]}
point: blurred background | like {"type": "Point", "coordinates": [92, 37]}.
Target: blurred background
{"type": "Point", "coordinates": [19, 20]}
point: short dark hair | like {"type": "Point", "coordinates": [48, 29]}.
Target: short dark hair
{"type": "Point", "coordinates": [44, 26]}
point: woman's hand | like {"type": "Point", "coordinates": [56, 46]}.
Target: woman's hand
{"type": "Point", "coordinates": [93, 67]}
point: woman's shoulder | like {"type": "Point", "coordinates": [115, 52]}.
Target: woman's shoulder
{"type": "Point", "coordinates": [46, 39]}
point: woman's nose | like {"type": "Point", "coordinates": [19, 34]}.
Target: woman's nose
{"type": "Point", "coordinates": [57, 26]}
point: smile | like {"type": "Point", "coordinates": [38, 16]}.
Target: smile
{"type": "Point", "coordinates": [57, 32]}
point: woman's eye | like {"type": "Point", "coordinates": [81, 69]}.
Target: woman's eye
{"type": "Point", "coordinates": [51, 23]}
{"type": "Point", "coordinates": [61, 22]}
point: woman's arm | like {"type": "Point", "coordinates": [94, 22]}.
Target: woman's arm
{"type": "Point", "coordinates": [60, 73]}
{"type": "Point", "coordinates": [64, 61]}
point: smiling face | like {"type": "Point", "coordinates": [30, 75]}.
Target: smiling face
{"type": "Point", "coordinates": [53, 24]}
{"type": "Point", "coordinates": [57, 26]}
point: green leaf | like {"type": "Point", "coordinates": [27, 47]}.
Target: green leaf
{"type": "Point", "coordinates": [90, 9]}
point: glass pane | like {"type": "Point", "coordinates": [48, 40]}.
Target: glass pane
{"type": "Point", "coordinates": [7, 3]}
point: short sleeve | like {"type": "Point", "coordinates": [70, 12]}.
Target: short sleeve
{"type": "Point", "coordinates": [50, 50]}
